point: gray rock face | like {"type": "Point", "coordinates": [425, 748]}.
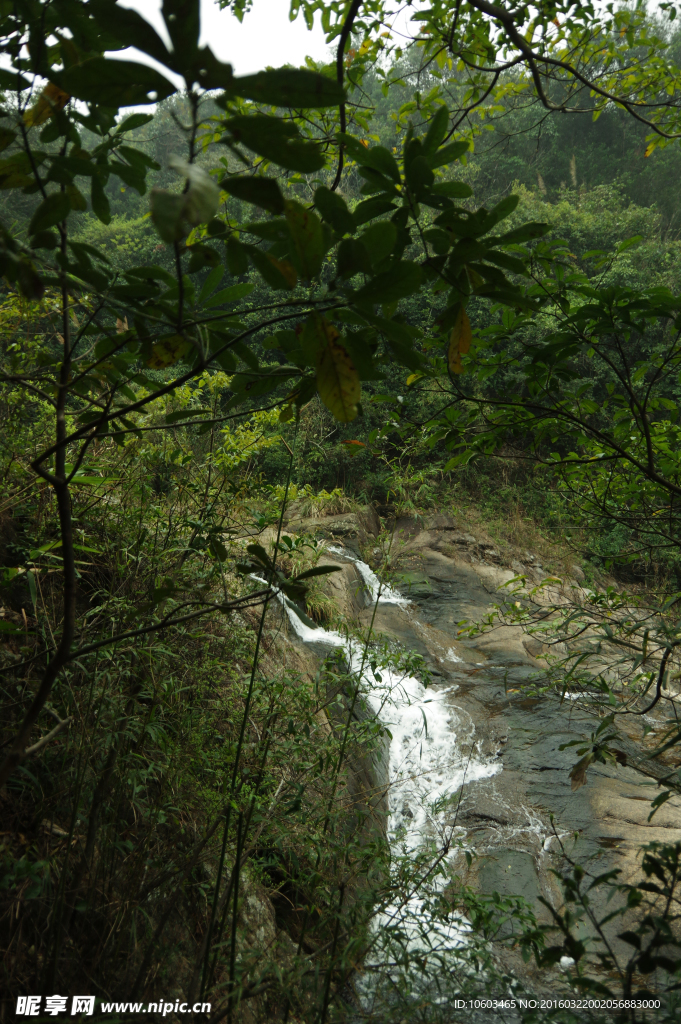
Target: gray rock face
{"type": "Point", "coordinates": [506, 819]}
{"type": "Point", "coordinates": [353, 529]}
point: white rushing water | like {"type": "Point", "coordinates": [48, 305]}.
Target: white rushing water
{"type": "Point", "coordinates": [432, 750]}
{"type": "Point", "coordinates": [432, 755]}
{"type": "Point", "coordinates": [378, 591]}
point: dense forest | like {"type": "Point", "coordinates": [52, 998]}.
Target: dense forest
{"type": "Point", "coordinates": [259, 335]}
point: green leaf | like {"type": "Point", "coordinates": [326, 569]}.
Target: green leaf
{"type": "Point", "coordinates": [315, 337]}
{"type": "Point", "coordinates": [449, 154]}
{"type": "Point", "coordinates": [211, 283]}
{"type": "Point", "coordinates": [33, 590]}
{"type": "Point", "coordinates": [185, 414]}
{"type": "Point", "coordinates": [628, 243]}
{"type": "Point", "coordinates": [44, 240]}
{"type": "Point", "coordinates": [376, 183]}
{"type": "Point", "coordinates": [437, 130]}
{"type": "Point", "coordinates": [202, 256]}
{"type": "Point", "coordinates": [452, 189]}
{"type": "Point", "coordinates": [7, 137]}
{"type": "Point", "coordinates": [183, 21]}
{"type": "Point", "coordinates": [502, 210]}
{"type": "Point", "coordinates": [237, 257]}
{"type": "Point", "coordinates": [13, 81]}
{"type": "Point", "coordinates": [28, 280]}
{"type": "Point", "coordinates": [263, 192]}
{"type": "Point", "coordinates": [401, 338]}
{"type": "Point", "coordinates": [288, 87]}
{"type": "Point", "coordinates": [419, 175]}
{"type": "Point", "coordinates": [274, 230]}
{"type": "Point", "coordinates": [115, 83]}
{"type": "Point", "coordinates": [167, 213]}
{"type": "Point", "coordinates": [133, 121]}
{"type": "Point", "coordinates": [359, 346]}
{"type": "Point", "coordinates": [231, 294]}
{"type": "Point", "coordinates": [371, 208]}
{"type": "Point", "coordinates": [439, 240]}
{"type": "Point", "coordinates": [381, 159]}
{"type": "Point", "coordinates": [52, 210]}
{"type": "Point", "coordinates": [337, 380]}
{"type": "Point", "coordinates": [202, 198]}
{"type": "Point", "coordinates": [210, 72]}
{"type": "Point", "coordinates": [353, 258]}
{"type": "Point", "coordinates": [100, 203]}
{"type": "Point", "coordinates": [502, 259]}
{"type": "Point", "coordinates": [279, 274]}
{"type": "Point", "coordinates": [16, 171]}
{"type": "Point", "coordinates": [334, 210]}
{"type": "Point", "coordinates": [277, 141]}
{"type": "Point", "coordinates": [306, 230]}
{"type": "Point", "coordinates": [131, 29]}
{"type": "Point", "coordinates": [379, 240]}
{"type": "Point", "coordinates": [318, 570]}
{"type": "Point", "coordinates": [377, 158]}
{"type": "Point", "coordinates": [534, 229]}
{"type": "Point", "coordinates": [402, 279]}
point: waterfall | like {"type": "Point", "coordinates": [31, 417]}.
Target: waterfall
{"type": "Point", "coordinates": [427, 766]}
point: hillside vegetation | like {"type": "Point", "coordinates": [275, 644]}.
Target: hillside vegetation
{"type": "Point", "coordinates": [441, 278]}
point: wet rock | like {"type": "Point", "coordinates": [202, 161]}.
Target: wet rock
{"type": "Point", "coordinates": [506, 818]}
{"type": "Point", "coordinates": [376, 557]}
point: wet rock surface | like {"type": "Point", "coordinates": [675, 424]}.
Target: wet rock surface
{"type": "Point", "coordinates": [450, 577]}
{"type": "Point", "coordinates": [506, 819]}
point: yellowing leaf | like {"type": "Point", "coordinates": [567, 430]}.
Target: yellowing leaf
{"type": "Point", "coordinates": [578, 773]}
{"type": "Point", "coordinates": [286, 270]}
{"type": "Point", "coordinates": [477, 282]}
{"type": "Point", "coordinates": [459, 341]}
{"type": "Point", "coordinates": [412, 378]}
{"type": "Point", "coordinates": [337, 380]}
{"type": "Point", "coordinates": [52, 100]}
{"type": "Point", "coordinates": [167, 351]}
{"type": "Point", "coordinates": [649, 148]}
{"type": "Point", "coordinates": [315, 336]}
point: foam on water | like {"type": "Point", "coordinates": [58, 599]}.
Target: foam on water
{"type": "Point", "coordinates": [432, 755]}
{"type": "Point", "coordinates": [432, 751]}
{"type": "Point", "coordinates": [378, 591]}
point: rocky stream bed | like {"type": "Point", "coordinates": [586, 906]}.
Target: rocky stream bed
{"type": "Point", "coordinates": [501, 750]}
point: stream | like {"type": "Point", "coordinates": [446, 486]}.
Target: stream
{"type": "Point", "coordinates": [472, 756]}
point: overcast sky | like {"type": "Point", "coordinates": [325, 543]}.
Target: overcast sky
{"type": "Point", "coordinates": [266, 36]}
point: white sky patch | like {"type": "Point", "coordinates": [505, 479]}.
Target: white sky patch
{"type": "Point", "coordinates": [265, 39]}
